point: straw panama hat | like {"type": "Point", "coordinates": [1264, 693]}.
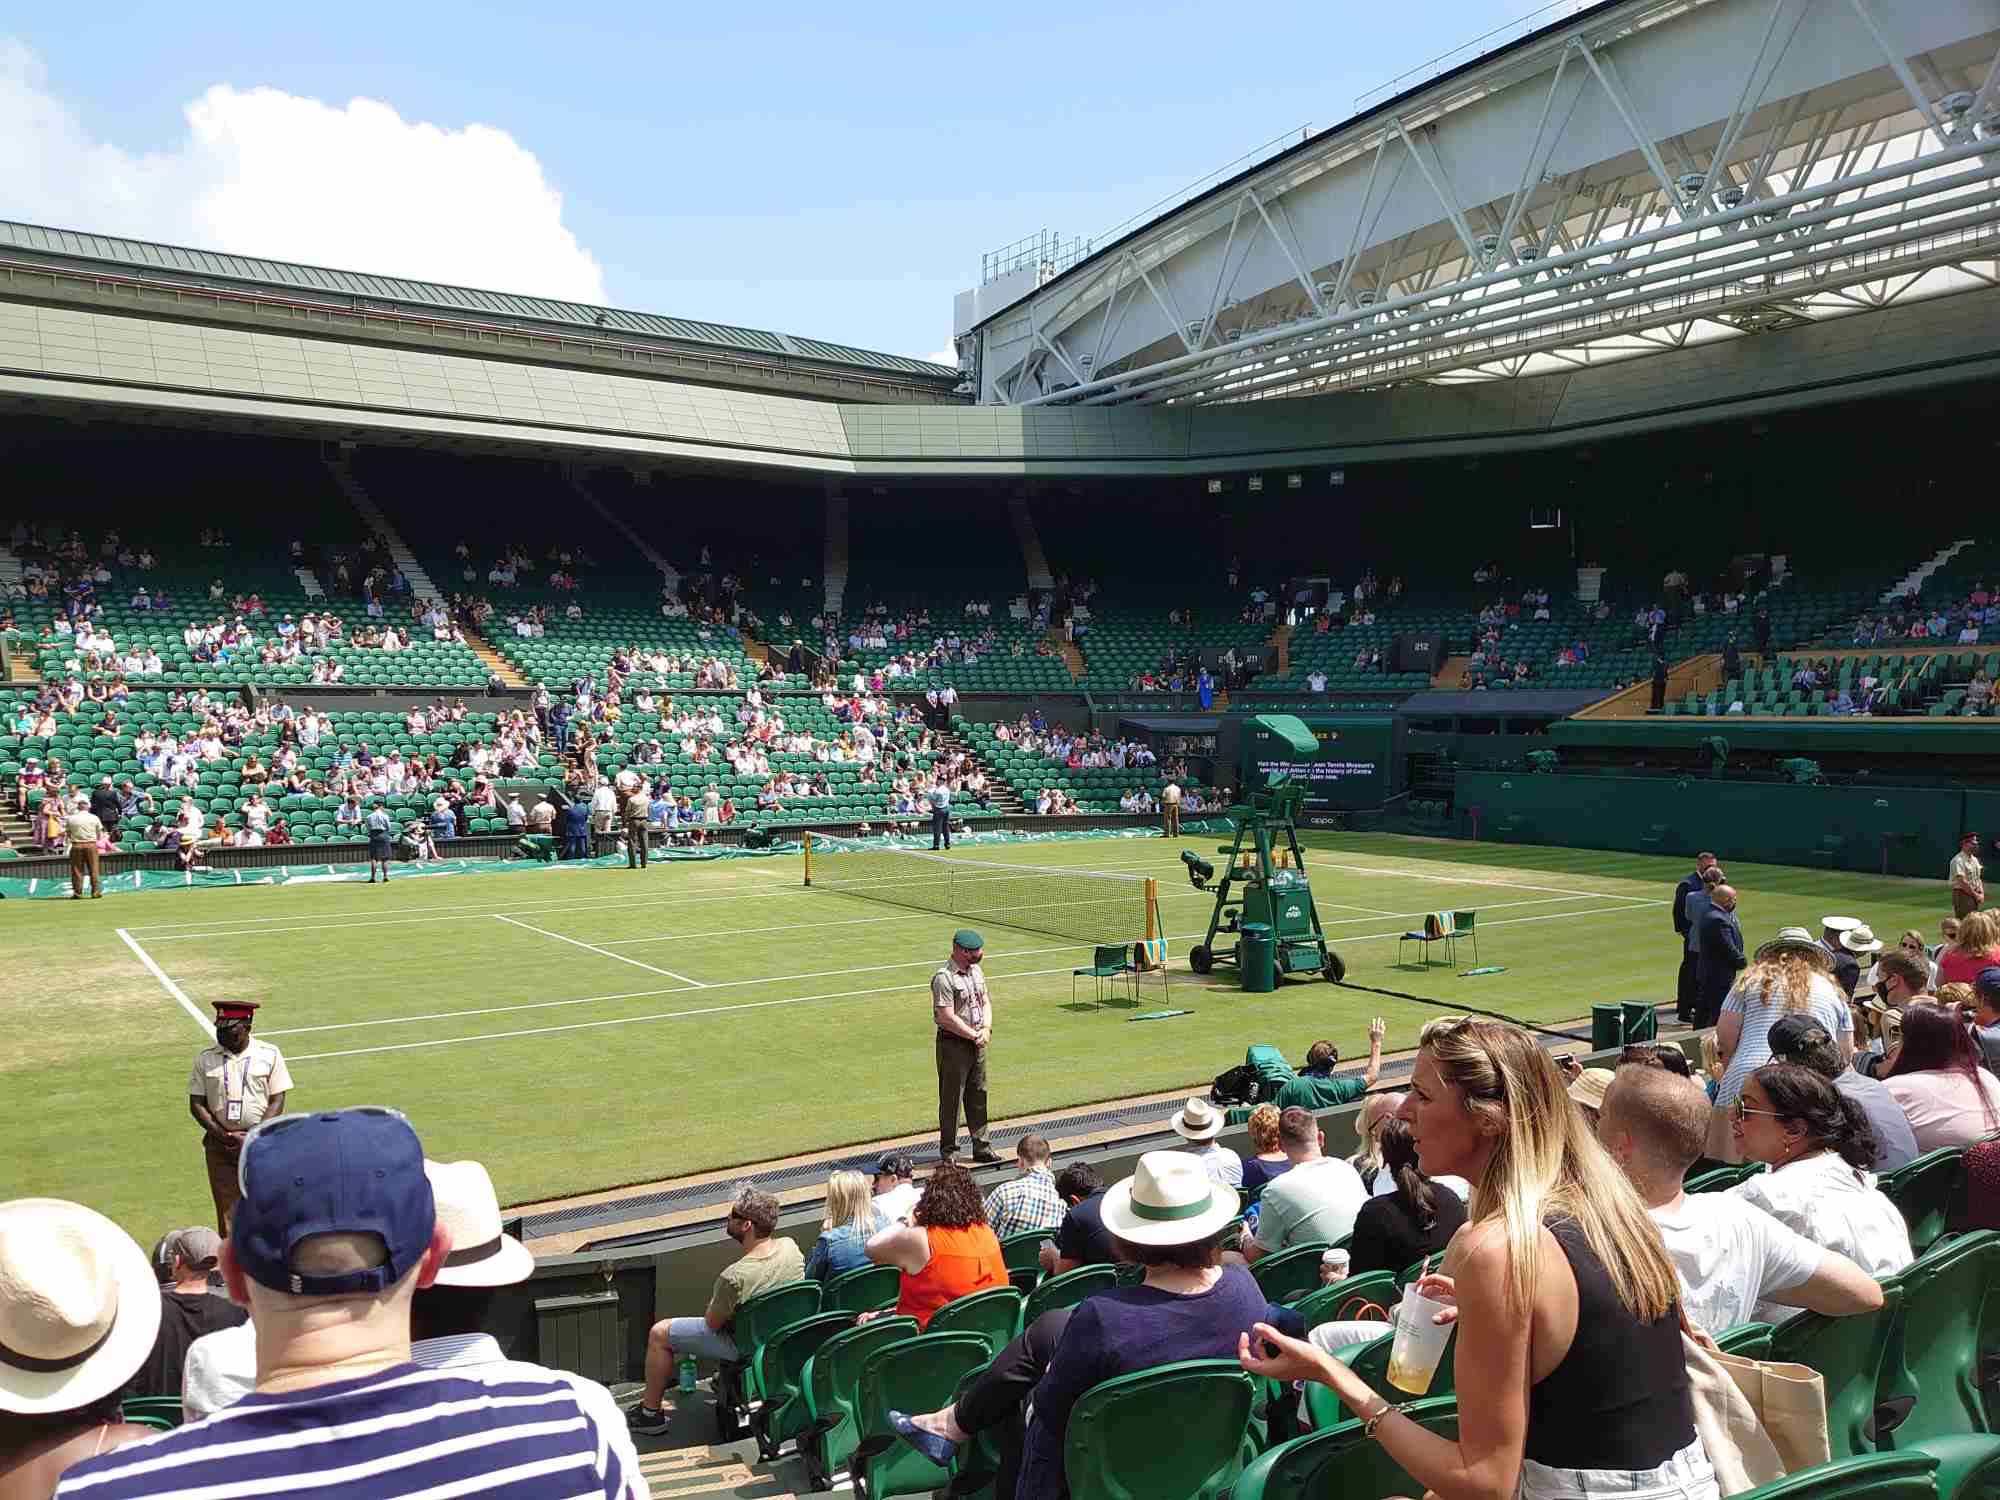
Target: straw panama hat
{"type": "Point", "coordinates": [1168, 1200]}
{"type": "Point", "coordinates": [1198, 1120]}
{"type": "Point", "coordinates": [1796, 940]}
{"type": "Point", "coordinates": [1861, 938]}
{"type": "Point", "coordinates": [1589, 1086]}
{"type": "Point", "coordinates": [79, 1306]}
{"type": "Point", "coordinates": [468, 1206]}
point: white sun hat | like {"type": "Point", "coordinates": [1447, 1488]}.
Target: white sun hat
{"type": "Point", "coordinates": [79, 1306]}
{"type": "Point", "coordinates": [468, 1206]}
{"type": "Point", "coordinates": [1169, 1200]}
{"type": "Point", "coordinates": [1198, 1120]}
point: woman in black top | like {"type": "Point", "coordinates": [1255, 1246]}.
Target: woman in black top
{"type": "Point", "coordinates": [1418, 1219]}
{"type": "Point", "coordinates": [1572, 1381]}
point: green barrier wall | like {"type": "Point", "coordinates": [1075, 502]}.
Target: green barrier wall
{"type": "Point", "coordinates": [1905, 830]}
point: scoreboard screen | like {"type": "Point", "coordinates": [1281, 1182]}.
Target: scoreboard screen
{"type": "Point", "coordinates": [1349, 770]}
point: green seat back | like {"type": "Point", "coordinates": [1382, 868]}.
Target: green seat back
{"type": "Point", "coordinates": [1874, 1476]}
{"type": "Point", "coordinates": [1292, 1272]}
{"type": "Point", "coordinates": [829, 1382]}
{"type": "Point", "coordinates": [1345, 1301]}
{"type": "Point", "coordinates": [912, 1374]}
{"type": "Point", "coordinates": [1935, 1350]}
{"type": "Point", "coordinates": [1751, 1340]}
{"type": "Point", "coordinates": [1066, 1290]}
{"type": "Point", "coordinates": [761, 1316]}
{"type": "Point", "coordinates": [1371, 1362]}
{"type": "Point", "coordinates": [869, 1289]}
{"type": "Point", "coordinates": [994, 1314]}
{"type": "Point", "coordinates": [1023, 1251]}
{"type": "Point", "coordinates": [1340, 1461]}
{"type": "Point", "coordinates": [1925, 1190]}
{"type": "Point", "coordinates": [781, 1362]}
{"type": "Point", "coordinates": [1848, 1353]}
{"type": "Point", "coordinates": [1113, 1448]}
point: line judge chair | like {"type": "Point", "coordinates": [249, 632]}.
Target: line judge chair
{"type": "Point", "coordinates": [1108, 963]}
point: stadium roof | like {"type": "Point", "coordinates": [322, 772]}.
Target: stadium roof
{"type": "Point", "coordinates": [214, 269]}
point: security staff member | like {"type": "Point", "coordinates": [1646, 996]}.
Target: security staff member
{"type": "Point", "coordinates": [939, 797]}
{"type": "Point", "coordinates": [638, 808]}
{"type": "Point", "coordinates": [963, 1011]}
{"type": "Point", "coordinates": [235, 1084]}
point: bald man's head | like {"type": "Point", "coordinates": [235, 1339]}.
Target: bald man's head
{"type": "Point", "coordinates": [1655, 1123]}
{"type": "Point", "coordinates": [1724, 896]}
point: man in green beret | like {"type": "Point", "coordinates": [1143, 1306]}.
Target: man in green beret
{"type": "Point", "coordinates": [963, 1011]}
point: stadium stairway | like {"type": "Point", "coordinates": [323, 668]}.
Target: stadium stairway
{"type": "Point", "coordinates": [399, 550]}
{"type": "Point", "coordinates": [835, 565]}
{"type": "Point", "coordinates": [1004, 797]}
{"type": "Point", "coordinates": [495, 664]}
{"type": "Point", "coordinates": [1039, 576]}
{"type": "Point", "coordinates": [1072, 658]}
{"type": "Point", "coordinates": [669, 574]}
{"type": "Point", "coordinates": [1917, 577]}
{"type": "Point", "coordinates": [1451, 671]}
{"type": "Point", "coordinates": [732, 1472]}
{"type": "Point", "coordinates": [1281, 648]}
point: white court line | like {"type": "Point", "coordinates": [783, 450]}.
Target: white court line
{"type": "Point", "coordinates": [694, 984]}
{"type": "Point", "coordinates": [492, 1036]}
{"type": "Point", "coordinates": [207, 1027]}
{"type": "Point", "coordinates": [719, 984]}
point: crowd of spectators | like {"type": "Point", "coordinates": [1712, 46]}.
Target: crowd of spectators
{"type": "Point", "coordinates": [1962, 620]}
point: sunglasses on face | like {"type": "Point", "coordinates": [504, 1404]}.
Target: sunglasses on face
{"type": "Point", "coordinates": [1740, 1110]}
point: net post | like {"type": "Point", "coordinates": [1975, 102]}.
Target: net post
{"type": "Point", "coordinates": [809, 856]}
{"type": "Point", "coordinates": [1152, 908]}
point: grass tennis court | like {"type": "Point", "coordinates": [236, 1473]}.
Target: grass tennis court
{"type": "Point", "coordinates": [577, 1030]}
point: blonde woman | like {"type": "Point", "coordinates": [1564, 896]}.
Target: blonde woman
{"type": "Point", "coordinates": [1569, 1325]}
{"type": "Point", "coordinates": [1791, 972]}
{"type": "Point", "coordinates": [851, 1220]}
{"type": "Point", "coordinates": [1976, 947]}
{"type": "Point", "coordinates": [1376, 1111]}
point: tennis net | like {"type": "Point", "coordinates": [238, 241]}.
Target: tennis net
{"type": "Point", "coordinates": [1087, 905]}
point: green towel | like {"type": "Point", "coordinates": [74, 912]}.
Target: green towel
{"type": "Point", "coordinates": [1159, 1015]}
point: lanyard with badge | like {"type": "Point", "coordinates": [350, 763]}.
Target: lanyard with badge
{"type": "Point", "coordinates": [232, 1104]}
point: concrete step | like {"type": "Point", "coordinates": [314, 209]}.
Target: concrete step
{"type": "Point", "coordinates": [495, 663]}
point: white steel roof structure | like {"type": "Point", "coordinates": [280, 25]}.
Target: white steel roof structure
{"type": "Point", "coordinates": [1638, 177]}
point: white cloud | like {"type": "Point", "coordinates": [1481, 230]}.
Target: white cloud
{"type": "Point", "coordinates": [948, 355]}
{"type": "Point", "coordinates": [263, 172]}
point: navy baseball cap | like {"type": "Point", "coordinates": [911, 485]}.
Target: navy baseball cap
{"type": "Point", "coordinates": [354, 1171]}
{"type": "Point", "coordinates": [1987, 980]}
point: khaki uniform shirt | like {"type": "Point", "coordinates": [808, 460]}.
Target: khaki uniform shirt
{"type": "Point", "coordinates": [248, 1078]}
{"type": "Point", "coordinates": [1964, 871]}
{"type": "Point", "coordinates": [964, 995]}
{"type": "Point", "coordinates": [638, 808]}
{"type": "Point", "coordinates": [1171, 792]}
{"type": "Point", "coordinates": [83, 828]}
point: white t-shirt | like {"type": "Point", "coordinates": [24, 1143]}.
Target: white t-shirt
{"type": "Point", "coordinates": [1732, 1256]}
{"type": "Point", "coordinates": [1837, 1208]}
{"type": "Point", "coordinates": [895, 1205]}
{"type": "Point", "coordinates": [219, 1370]}
{"type": "Point", "coordinates": [1222, 1165]}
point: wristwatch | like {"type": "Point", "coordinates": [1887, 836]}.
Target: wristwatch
{"type": "Point", "coordinates": [1369, 1424]}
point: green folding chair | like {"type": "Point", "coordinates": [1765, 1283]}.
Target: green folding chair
{"type": "Point", "coordinates": [1066, 1290]}
{"type": "Point", "coordinates": [828, 1383]}
{"type": "Point", "coordinates": [1347, 1301]}
{"type": "Point", "coordinates": [758, 1318]}
{"type": "Point", "coordinates": [1113, 1448]}
{"type": "Point", "coordinates": [1371, 1362]}
{"type": "Point", "coordinates": [1107, 963]}
{"type": "Point", "coordinates": [1023, 1251]}
{"type": "Point", "coordinates": [160, 1412]}
{"type": "Point", "coordinates": [781, 1362]}
{"type": "Point", "coordinates": [994, 1314]}
{"type": "Point", "coordinates": [912, 1374]}
{"type": "Point", "coordinates": [1290, 1273]}
{"type": "Point", "coordinates": [1848, 1353]}
{"type": "Point", "coordinates": [1340, 1461]}
{"type": "Point", "coordinates": [1926, 1190]}
{"type": "Point", "coordinates": [1936, 1374]}
{"type": "Point", "coordinates": [869, 1289]}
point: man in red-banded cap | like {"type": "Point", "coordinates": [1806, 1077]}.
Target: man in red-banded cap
{"type": "Point", "coordinates": [235, 1084]}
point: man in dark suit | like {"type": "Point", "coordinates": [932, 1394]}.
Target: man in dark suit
{"type": "Point", "coordinates": [1846, 967]}
{"type": "Point", "coordinates": [1683, 929]}
{"type": "Point", "coordinates": [1732, 661]}
{"type": "Point", "coordinates": [1719, 946]}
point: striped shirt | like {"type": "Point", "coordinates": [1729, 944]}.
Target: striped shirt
{"type": "Point", "coordinates": [406, 1433]}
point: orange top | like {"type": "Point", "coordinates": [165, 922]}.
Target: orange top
{"type": "Point", "coordinates": [962, 1261]}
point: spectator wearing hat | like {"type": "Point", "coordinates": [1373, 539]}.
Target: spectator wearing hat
{"type": "Point", "coordinates": [962, 1008]}
{"type": "Point", "coordinates": [1968, 884]}
{"type": "Point", "coordinates": [337, 1231]}
{"type": "Point", "coordinates": [1587, 1090]}
{"type": "Point", "coordinates": [1833, 937]}
{"type": "Point", "coordinates": [1145, 1315]}
{"type": "Point", "coordinates": [1718, 954]}
{"type": "Point", "coordinates": [1199, 1123]}
{"type": "Point", "coordinates": [190, 1308]}
{"type": "Point", "coordinates": [1986, 1015]}
{"type": "Point", "coordinates": [79, 1308]}
{"type": "Point", "coordinates": [1317, 1199]}
{"type": "Point", "coordinates": [1316, 1087]}
{"type": "Point", "coordinates": [1791, 974]}
{"type": "Point", "coordinates": [895, 1188]}
{"type": "Point", "coordinates": [1800, 1038]}
{"type": "Point", "coordinates": [235, 1086]}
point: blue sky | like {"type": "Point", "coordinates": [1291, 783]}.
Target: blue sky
{"type": "Point", "coordinates": [833, 172]}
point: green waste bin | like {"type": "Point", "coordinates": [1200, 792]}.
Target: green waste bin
{"type": "Point", "coordinates": [1259, 948]}
{"type": "Point", "coordinates": [1607, 1027]}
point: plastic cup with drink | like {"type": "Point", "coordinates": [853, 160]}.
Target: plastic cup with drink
{"type": "Point", "coordinates": [1333, 1265]}
{"type": "Point", "coordinates": [1419, 1343]}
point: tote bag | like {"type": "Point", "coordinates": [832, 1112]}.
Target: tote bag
{"type": "Point", "coordinates": [1758, 1419]}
